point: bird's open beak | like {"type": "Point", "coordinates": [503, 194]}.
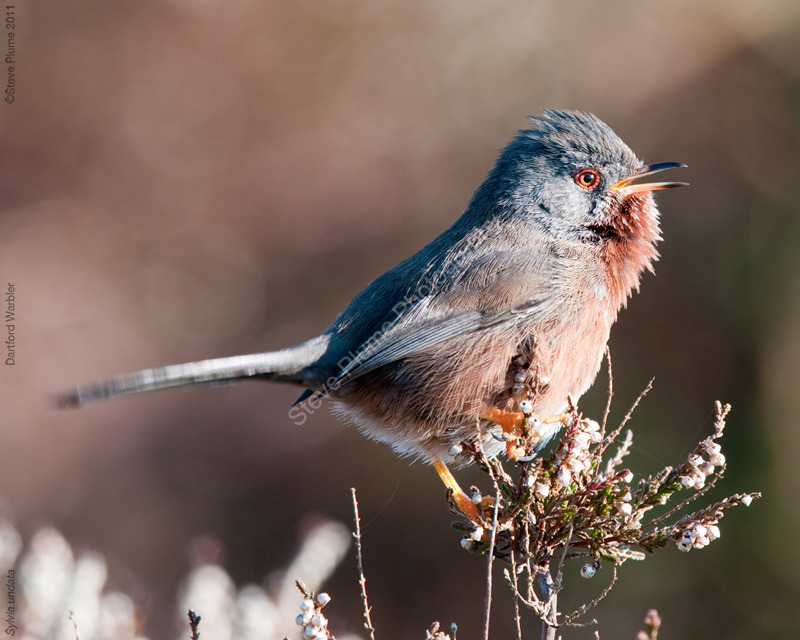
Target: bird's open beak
{"type": "Point", "coordinates": [625, 188]}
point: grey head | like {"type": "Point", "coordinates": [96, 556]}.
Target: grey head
{"type": "Point", "coordinates": [561, 174]}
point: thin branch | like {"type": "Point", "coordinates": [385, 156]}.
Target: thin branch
{"type": "Point", "coordinates": [624, 450]}
{"type": "Point", "coordinates": [615, 434]}
{"type": "Point", "coordinates": [362, 579]}
{"type": "Point", "coordinates": [610, 393]}
{"type": "Point", "coordinates": [567, 540]}
{"type": "Point", "coordinates": [72, 619]}
{"type": "Point", "coordinates": [589, 605]}
{"type": "Point", "coordinates": [549, 619]}
{"type": "Point", "coordinates": [688, 500]}
{"type": "Point", "coordinates": [492, 540]}
{"type": "Point", "coordinates": [517, 617]}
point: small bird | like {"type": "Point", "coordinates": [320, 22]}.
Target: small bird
{"type": "Point", "coordinates": [505, 315]}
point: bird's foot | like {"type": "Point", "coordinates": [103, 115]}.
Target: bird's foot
{"type": "Point", "coordinates": [510, 421]}
{"type": "Point", "coordinates": [462, 500]}
{"type": "Point", "coordinates": [513, 424]}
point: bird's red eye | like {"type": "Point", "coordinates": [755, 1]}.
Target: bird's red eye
{"type": "Point", "coordinates": [587, 178]}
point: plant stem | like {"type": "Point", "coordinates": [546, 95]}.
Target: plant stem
{"type": "Point", "coordinates": [550, 598]}
{"type": "Point", "coordinates": [362, 578]}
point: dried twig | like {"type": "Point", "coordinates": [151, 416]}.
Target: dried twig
{"type": "Point", "coordinates": [487, 614]}
{"type": "Point", "coordinates": [610, 393]}
{"type": "Point", "coordinates": [72, 619]}
{"type": "Point", "coordinates": [615, 434]}
{"type": "Point", "coordinates": [570, 619]}
{"type": "Point", "coordinates": [362, 579]}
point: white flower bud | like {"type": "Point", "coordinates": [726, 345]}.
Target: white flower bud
{"type": "Point", "coordinates": [575, 465]}
{"type": "Point", "coordinates": [628, 477]}
{"type": "Point", "coordinates": [526, 406]}
{"type": "Point", "coordinates": [688, 536]}
{"type": "Point", "coordinates": [699, 530]}
{"type": "Point", "coordinates": [700, 542]}
{"type": "Point", "coordinates": [477, 497]}
{"type": "Point", "coordinates": [564, 477]}
{"type": "Point", "coordinates": [467, 543]}
{"type": "Point", "coordinates": [717, 459]}
{"type": "Point", "coordinates": [687, 481]}
{"type": "Point", "coordinates": [590, 425]}
{"type": "Point", "coordinates": [519, 377]}
{"type": "Point", "coordinates": [529, 481]}
{"type": "Point", "coordinates": [582, 440]}
{"type": "Point", "coordinates": [713, 532]}
{"type": "Point", "coordinates": [747, 500]}
{"type": "Point", "coordinates": [588, 571]}
{"type": "Point", "coordinates": [309, 632]}
{"type": "Point", "coordinates": [595, 436]}
{"type": "Point", "coordinates": [627, 497]}
{"type": "Point", "coordinates": [706, 467]}
{"type": "Point", "coordinates": [477, 534]}
{"type": "Point", "coordinates": [694, 459]}
{"type": "Point", "coordinates": [303, 618]}
{"type": "Point", "coordinates": [307, 605]}
{"type": "Point", "coordinates": [541, 490]}
{"type": "Point", "coordinates": [683, 546]}
{"type": "Point", "coordinates": [456, 449]}
{"type": "Point", "coordinates": [712, 447]}
{"type": "Point", "coordinates": [318, 620]}
{"type": "Point", "coordinates": [624, 509]}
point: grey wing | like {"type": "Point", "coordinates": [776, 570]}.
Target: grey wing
{"type": "Point", "coordinates": [407, 337]}
{"type": "Point", "coordinates": [496, 288]}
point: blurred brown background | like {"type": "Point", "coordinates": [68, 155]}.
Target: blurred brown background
{"type": "Point", "coordinates": [191, 179]}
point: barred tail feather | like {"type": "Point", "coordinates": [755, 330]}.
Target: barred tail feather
{"type": "Point", "coordinates": [285, 366]}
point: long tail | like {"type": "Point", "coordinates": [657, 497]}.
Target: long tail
{"type": "Point", "coordinates": [284, 366]}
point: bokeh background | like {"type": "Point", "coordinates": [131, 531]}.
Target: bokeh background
{"type": "Point", "coordinates": [194, 178]}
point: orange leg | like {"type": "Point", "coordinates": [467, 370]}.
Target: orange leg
{"type": "Point", "coordinates": [462, 500]}
{"type": "Point", "coordinates": [510, 421]}
{"type": "Point", "coordinates": [511, 424]}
